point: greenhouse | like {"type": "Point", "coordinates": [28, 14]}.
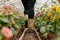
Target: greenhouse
{"type": "Point", "coordinates": [29, 19]}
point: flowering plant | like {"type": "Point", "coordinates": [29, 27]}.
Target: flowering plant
{"type": "Point", "coordinates": [48, 21]}
{"type": "Point", "coordinates": [10, 21]}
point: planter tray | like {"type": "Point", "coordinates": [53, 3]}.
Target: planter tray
{"type": "Point", "coordinates": [29, 35]}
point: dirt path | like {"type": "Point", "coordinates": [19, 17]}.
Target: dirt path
{"type": "Point", "coordinates": [30, 35]}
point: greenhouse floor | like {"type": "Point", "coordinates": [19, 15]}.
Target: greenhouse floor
{"type": "Point", "coordinates": [29, 35]}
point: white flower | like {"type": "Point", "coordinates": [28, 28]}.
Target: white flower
{"type": "Point", "coordinates": [4, 20]}
{"type": "Point", "coordinates": [42, 29]}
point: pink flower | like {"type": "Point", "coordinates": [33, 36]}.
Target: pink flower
{"type": "Point", "coordinates": [8, 7]}
{"type": "Point", "coordinates": [39, 13]}
{"type": "Point", "coordinates": [7, 32]}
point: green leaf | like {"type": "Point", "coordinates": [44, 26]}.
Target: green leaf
{"type": "Point", "coordinates": [16, 26]}
{"type": "Point", "coordinates": [13, 30]}
{"type": "Point", "coordinates": [0, 27]}
{"type": "Point", "coordinates": [1, 36]}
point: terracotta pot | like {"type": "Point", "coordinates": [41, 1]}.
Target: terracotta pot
{"type": "Point", "coordinates": [51, 36]}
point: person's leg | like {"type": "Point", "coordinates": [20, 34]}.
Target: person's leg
{"type": "Point", "coordinates": [29, 7]}
{"type": "Point", "coordinates": [31, 4]}
{"type": "Point", "coordinates": [25, 2]}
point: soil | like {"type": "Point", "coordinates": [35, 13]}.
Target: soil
{"type": "Point", "coordinates": [30, 35]}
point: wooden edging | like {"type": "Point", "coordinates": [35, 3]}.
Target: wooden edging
{"type": "Point", "coordinates": [23, 34]}
{"type": "Point", "coordinates": [37, 34]}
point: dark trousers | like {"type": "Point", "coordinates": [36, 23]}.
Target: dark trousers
{"type": "Point", "coordinates": [29, 8]}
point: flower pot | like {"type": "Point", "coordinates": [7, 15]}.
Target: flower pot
{"type": "Point", "coordinates": [51, 36]}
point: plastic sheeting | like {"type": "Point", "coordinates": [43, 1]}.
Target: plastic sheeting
{"type": "Point", "coordinates": [16, 3]}
{"type": "Point", "coordinates": [40, 4]}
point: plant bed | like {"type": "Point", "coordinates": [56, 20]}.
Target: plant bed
{"type": "Point", "coordinates": [48, 21]}
{"type": "Point", "coordinates": [29, 35]}
{"type": "Point", "coordinates": [11, 22]}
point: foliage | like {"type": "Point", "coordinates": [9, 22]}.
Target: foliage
{"type": "Point", "coordinates": [10, 19]}
{"type": "Point", "coordinates": [49, 20]}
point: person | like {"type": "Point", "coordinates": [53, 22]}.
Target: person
{"type": "Point", "coordinates": [29, 9]}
